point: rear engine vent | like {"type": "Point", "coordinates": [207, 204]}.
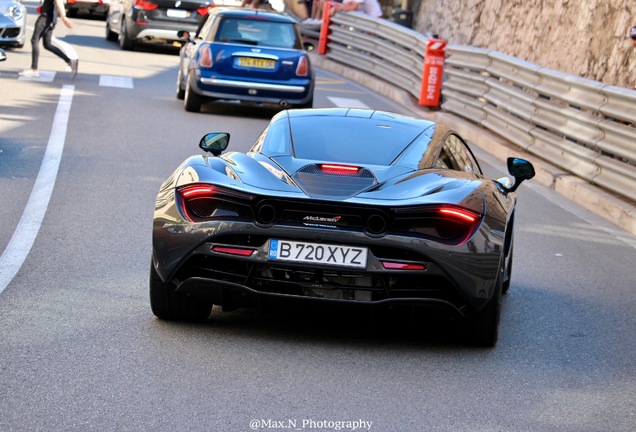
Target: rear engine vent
{"type": "Point", "coordinates": [334, 180]}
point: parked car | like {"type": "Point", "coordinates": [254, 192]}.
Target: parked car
{"type": "Point", "coordinates": [91, 7]}
{"type": "Point", "coordinates": [12, 23]}
{"type": "Point", "coordinates": [245, 55]}
{"type": "Point", "coordinates": [153, 21]}
{"type": "Point", "coordinates": [337, 205]}
{"type": "Point", "coordinates": [3, 55]}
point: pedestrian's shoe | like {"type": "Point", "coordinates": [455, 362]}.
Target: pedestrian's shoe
{"type": "Point", "coordinates": [73, 64]}
{"type": "Point", "coordinates": [30, 73]}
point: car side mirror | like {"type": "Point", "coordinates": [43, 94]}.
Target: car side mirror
{"type": "Point", "coordinates": [215, 142]}
{"type": "Point", "coordinates": [521, 170]}
{"type": "Point", "coordinates": [184, 34]}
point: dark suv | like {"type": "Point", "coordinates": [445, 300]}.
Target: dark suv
{"type": "Point", "coordinates": [152, 21]}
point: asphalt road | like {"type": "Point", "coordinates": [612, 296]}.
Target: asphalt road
{"type": "Point", "coordinates": [81, 351]}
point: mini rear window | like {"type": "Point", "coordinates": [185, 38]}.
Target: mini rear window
{"type": "Point", "coordinates": [258, 32]}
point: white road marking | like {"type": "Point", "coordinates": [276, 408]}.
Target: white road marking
{"type": "Point", "coordinates": [115, 81]}
{"type": "Point", "coordinates": [24, 236]}
{"type": "Point", "coordinates": [347, 103]}
{"type": "Point", "coordinates": [45, 76]}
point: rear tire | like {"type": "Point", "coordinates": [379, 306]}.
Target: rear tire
{"type": "Point", "coordinates": [508, 275]}
{"type": "Point", "coordinates": [168, 304]}
{"type": "Point", "coordinates": [508, 248]}
{"type": "Point", "coordinates": [110, 35]}
{"type": "Point", "coordinates": [484, 329]}
{"type": "Point", "coordinates": [180, 89]}
{"type": "Point", "coordinates": [125, 42]}
{"type": "Point", "coordinates": [192, 100]}
{"type": "Point", "coordinates": [309, 104]}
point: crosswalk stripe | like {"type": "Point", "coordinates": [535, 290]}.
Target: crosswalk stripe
{"type": "Point", "coordinates": [115, 81]}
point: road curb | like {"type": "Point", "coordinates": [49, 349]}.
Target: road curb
{"type": "Point", "coordinates": [615, 210]}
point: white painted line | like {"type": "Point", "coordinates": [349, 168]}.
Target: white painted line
{"type": "Point", "coordinates": [27, 230]}
{"type": "Point", "coordinates": [45, 76]}
{"type": "Point", "coordinates": [347, 103]}
{"type": "Point", "coordinates": [115, 81]}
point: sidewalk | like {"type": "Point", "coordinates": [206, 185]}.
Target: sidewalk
{"type": "Point", "coordinates": [616, 210]}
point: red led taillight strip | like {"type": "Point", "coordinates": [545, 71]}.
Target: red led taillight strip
{"type": "Point", "coordinates": [339, 169]}
{"type": "Point", "coordinates": [197, 191]}
{"type": "Point", "coordinates": [459, 214]}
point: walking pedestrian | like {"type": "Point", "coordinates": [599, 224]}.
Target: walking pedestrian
{"type": "Point", "coordinates": [43, 29]}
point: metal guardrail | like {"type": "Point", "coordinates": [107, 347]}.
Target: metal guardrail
{"type": "Point", "coordinates": [387, 50]}
{"type": "Point", "coordinates": [584, 127]}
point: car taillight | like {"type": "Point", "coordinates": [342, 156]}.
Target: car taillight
{"type": "Point", "coordinates": [339, 169]}
{"type": "Point", "coordinates": [203, 11]}
{"type": "Point", "coordinates": [303, 67]}
{"type": "Point", "coordinates": [145, 5]}
{"type": "Point", "coordinates": [199, 202]}
{"type": "Point", "coordinates": [197, 191]}
{"type": "Point", "coordinates": [205, 57]}
{"type": "Point", "coordinates": [458, 214]}
{"type": "Point", "coordinates": [457, 223]}
{"type": "Point", "coordinates": [447, 223]}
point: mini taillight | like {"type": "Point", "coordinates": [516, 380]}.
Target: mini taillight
{"type": "Point", "coordinates": [145, 5]}
{"type": "Point", "coordinates": [205, 57]}
{"type": "Point", "coordinates": [303, 67]}
{"type": "Point", "coordinates": [339, 169]}
{"type": "Point", "coordinates": [203, 11]}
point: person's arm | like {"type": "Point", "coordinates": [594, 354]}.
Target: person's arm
{"type": "Point", "coordinates": [62, 12]}
{"type": "Point", "coordinates": [347, 6]}
{"type": "Point", "coordinates": [350, 6]}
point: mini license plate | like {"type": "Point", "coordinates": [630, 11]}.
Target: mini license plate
{"type": "Point", "coordinates": [315, 253]}
{"type": "Point", "coordinates": [256, 63]}
{"type": "Point", "coordinates": [177, 13]}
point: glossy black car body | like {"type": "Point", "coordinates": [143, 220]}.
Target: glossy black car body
{"type": "Point", "coordinates": [152, 21]}
{"type": "Point", "coordinates": [342, 205]}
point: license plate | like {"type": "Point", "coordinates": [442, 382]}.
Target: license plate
{"type": "Point", "coordinates": [315, 253]}
{"type": "Point", "coordinates": [256, 63]}
{"type": "Point", "coordinates": [177, 13]}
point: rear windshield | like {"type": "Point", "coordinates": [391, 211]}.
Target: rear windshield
{"type": "Point", "coordinates": [258, 32]}
{"type": "Point", "coordinates": [351, 140]}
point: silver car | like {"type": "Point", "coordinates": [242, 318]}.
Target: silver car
{"type": "Point", "coordinates": [12, 23]}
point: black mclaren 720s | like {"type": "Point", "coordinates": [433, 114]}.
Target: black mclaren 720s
{"type": "Point", "coordinates": [337, 205]}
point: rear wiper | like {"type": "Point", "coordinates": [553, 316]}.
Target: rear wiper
{"type": "Point", "coordinates": [245, 41]}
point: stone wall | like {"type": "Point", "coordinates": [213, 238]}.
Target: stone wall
{"type": "Point", "coordinates": [588, 38]}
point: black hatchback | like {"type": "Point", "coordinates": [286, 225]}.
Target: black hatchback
{"type": "Point", "coordinates": [153, 21]}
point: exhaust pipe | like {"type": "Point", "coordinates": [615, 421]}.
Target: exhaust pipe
{"type": "Point", "coordinates": [283, 103]}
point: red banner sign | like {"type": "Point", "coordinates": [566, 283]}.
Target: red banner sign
{"type": "Point", "coordinates": [433, 73]}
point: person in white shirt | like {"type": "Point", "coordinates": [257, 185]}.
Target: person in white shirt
{"type": "Point", "coordinates": [369, 7]}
